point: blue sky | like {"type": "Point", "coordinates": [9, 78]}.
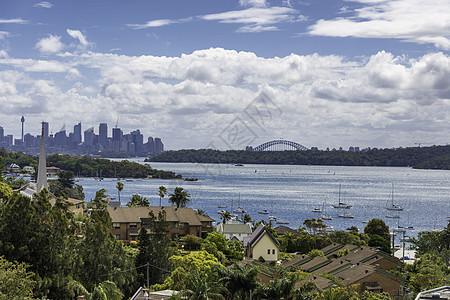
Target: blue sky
{"type": "Point", "coordinates": [368, 73]}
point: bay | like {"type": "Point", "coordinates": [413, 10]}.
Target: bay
{"type": "Point", "coordinates": [291, 192]}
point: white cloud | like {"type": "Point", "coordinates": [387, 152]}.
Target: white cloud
{"type": "Point", "coordinates": [13, 21]}
{"type": "Point", "coordinates": [76, 34]}
{"type": "Point", "coordinates": [423, 22]}
{"type": "Point", "coordinates": [153, 23]}
{"type": "Point", "coordinates": [256, 19]}
{"type": "Point", "coordinates": [383, 100]}
{"type": "Point", "coordinates": [44, 4]}
{"type": "Point", "coordinates": [3, 34]}
{"type": "Point", "coordinates": [50, 45]}
{"type": "Point", "coordinates": [253, 3]}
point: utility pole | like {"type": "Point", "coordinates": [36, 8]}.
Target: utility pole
{"type": "Point", "coordinates": [148, 275]}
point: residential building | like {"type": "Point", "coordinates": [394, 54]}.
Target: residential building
{"type": "Point", "coordinates": [261, 243]}
{"type": "Point", "coordinates": [235, 230]}
{"type": "Point", "coordinates": [440, 293]}
{"type": "Point", "coordinates": [127, 221]}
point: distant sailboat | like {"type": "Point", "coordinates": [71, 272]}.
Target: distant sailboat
{"type": "Point", "coordinates": [341, 204]}
{"type": "Point", "coordinates": [394, 206]}
{"type": "Point", "coordinates": [239, 210]}
{"type": "Point", "coordinates": [324, 216]}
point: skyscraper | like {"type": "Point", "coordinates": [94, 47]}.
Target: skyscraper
{"type": "Point", "coordinates": [2, 133]}
{"type": "Point", "coordinates": [103, 134]}
{"type": "Point", "coordinates": [150, 145]}
{"type": "Point", "coordinates": [45, 124]}
{"type": "Point", "coordinates": [89, 137]}
{"type": "Point", "coordinates": [138, 140]}
{"type": "Point", "coordinates": [42, 169]}
{"type": "Point", "coordinates": [77, 133]}
{"type": "Point", "coordinates": [159, 146]}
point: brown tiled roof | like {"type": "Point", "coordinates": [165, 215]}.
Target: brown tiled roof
{"type": "Point", "coordinates": [320, 282]}
{"type": "Point", "coordinates": [312, 264]}
{"type": "Point", "coordinates": [135, 214]}
{"type": "Point", "coordinates": [335, 265]}
{"type": "Point", "coordinates": [355, 273]}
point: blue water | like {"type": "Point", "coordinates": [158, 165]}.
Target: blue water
{"type": "Point", "coordinates": [291, 192]}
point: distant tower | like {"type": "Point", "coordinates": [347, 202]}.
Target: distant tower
{"type": "Point", "coordinates": [42, 169]}
{"type": "Point", "coordinates": [23, 121]}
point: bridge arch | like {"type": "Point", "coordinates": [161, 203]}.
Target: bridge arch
{"type": "Point", "coordinates": [266, 145]}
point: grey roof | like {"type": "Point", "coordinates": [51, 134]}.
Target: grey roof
{"type": "Point", "coordinates": [258, 234]}
{"type": "Point", "coordinates": [440, 293]}
{"type": "Point", "coordinates": [234, 228]}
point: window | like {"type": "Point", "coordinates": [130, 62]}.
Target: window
{"type": "Point", "coordinates": [133, 237]}
{"type": "Point", "coordinates": [133, 225]}
{"type": "Point", "coordinates": [268, 251]}
{"type": "Point", "coordinates": [117, 236]}
{"type": "Point", "coordinates": [116, 225]}
{"type": "Point", "coordinates": [273, 251]}
{"type": "Point", "coordinates": [181, 225]}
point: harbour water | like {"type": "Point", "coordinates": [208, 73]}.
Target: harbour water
{"type": "Point", "coordinates": [291, 192]}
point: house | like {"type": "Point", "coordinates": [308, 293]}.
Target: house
{"type": "Point", "coordinates": [235, 230]}
{"type": "Point", "coordinates": [363, 266]}
{"type": "Point", "coordinates": [12, 168]}
{"type": "Point", "coordinates": [53, 171]}
{"type": "Point", "coordinates": [127, 221]}
{"type": "Point", "coordinates": [29, 169]}
{"type": "Point", "coordinates": [261, 243]}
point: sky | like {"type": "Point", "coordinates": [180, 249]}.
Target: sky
{"type": "Point", "coordinates": [226, 74]}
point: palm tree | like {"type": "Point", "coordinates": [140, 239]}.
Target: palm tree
{"type": "Point", "coordinates": [246, 219]}
{"type": "Point", "coordinates": [200, 288]}
{"type": "Point", "coordinates": [225, 216]}
{"type": "Point", "coordinates": [180, 197]}
{"type": "Point", "coordinates": [119, 187]}
{"type": "Point", "coordinates": [106, 290]}
{"type": "Point", "coordinates": [279, 288]}
{"type": "Point", "coordinates": [239, 281]}
{"type": "Point", "coordinates": [162, 193]}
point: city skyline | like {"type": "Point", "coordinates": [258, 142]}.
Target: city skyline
{"type": "Point", "coordinates": [336, 73]}
{"type": "Point", "coordinates": [83, 141]}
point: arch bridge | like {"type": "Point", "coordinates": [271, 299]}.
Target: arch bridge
{"type": "Point", "coordinates": [275, 146]}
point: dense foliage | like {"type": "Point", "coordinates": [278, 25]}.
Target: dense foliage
{"type": "Point", "coordinates": [87, 166]}
{"type": "Point", "coordinates": [436, 157]}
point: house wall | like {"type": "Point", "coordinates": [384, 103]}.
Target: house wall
{"type": "Point", "coordinates": [385, 264]}
{"type": "Point", "coordinates": [261, 248]}
{"type": "Point", "coordinates": [389, 285]}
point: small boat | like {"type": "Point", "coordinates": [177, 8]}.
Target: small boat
{"type": "Point", "coordinates": [326, 217]}
{"type": "Point", "coordinates": [394, 206]}
{"type": "Point", "coordinates": [316, 210]}
{"type": "Point", "coordinates": [263, 212]}
{"type": "Point", "coordinates": [221, 211]}
{"type": "Point", "coordinates": [346, 215]}
{"type": "Point", "coordinates": [222, 206]}
{"type": "Point", "coordinates": [238, 165]}
{"type": "Point", "coordinates": [341, 204]}
{"type": "Point", "coordinates": [282, 222]}
{"type": "Point", "coordinates": [239, 210]}
{"type": "Point", "coordinates": [393, 216]}
{"type": "Point", "coordinates": [272, 218]}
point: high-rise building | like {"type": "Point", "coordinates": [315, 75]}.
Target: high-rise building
{"type": "Point", "coordinates": [60, 139]}
{"type": "Point", "coordinates": [138, 140]}
{"type": "Point", "coordinates": [2, 133]}
{"type": "Point", "coordinates": [103, 134]}
{"type": "Point", "coordinates": [28, 141]}
{"type": "Point", "coordinates": [159, 146]}
{"type": "Point", "coordinates": [77, 133]}
{"type": "Point", "coordinates": [89, 137]}
{"type": "Point", "coordinates": [150, 145]}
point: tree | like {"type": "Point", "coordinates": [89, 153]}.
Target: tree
{"type": "Point", "coordinates": [66, 178]}
{"type": "Point", "coordinates": [201, 288]}
{"type": "Point", "coordinates": [5, 191]}
{"type": "Point", "coordinates": [15, 281]}
{"type": "Point", "coordinates": [143, 256]}
{"type": "Point", "coordinates": [225, 216]}
{"type": "Point", "coordinates": [239, 281]}
{"type": "Point", "coordinates": [162, 193]}
{"type": "Point", "coordinates": [119, 187]}
{"type": "Point", "coordinates": [179, 197]}
{"type": "Point", "coordinates": [138, 200]}
{"type": "Point", "coordinates": [378, 227]}
{"type": "Point", "coordinates": [279, 288]}
{"type": "Point", "coordinates": [106, 290]}
{"type": "Point", "coordinates": [246, 219]}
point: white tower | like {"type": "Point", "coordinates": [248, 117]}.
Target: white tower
{"type": "Point", "coordinates": [42, 169]}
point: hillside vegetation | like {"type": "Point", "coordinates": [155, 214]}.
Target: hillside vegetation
{"type": "Point", "coordinates": [436, 157]}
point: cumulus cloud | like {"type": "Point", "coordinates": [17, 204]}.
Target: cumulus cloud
{"type": "Point", "coordinates": [44, 4]}
{"type": "Point", "coordinates": [423, 22]}
{"type": "Point", "coordinates": [254, 3]}
{"type": "Point", "coordinates": [50, 45]}
{"type": "Point", "coordinates": [76, 34]}
{"type": "Point", "coordinates": [334, 100]}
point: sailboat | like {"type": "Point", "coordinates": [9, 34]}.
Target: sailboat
{"type": "Point", "coordinates": [341, 204]}
{"type": "Point", "coordinates": [394, 206]}
{"type": "Point", "coordinates": [324, 216]}
{"type": "Point", "coordinates": [239, 210]}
